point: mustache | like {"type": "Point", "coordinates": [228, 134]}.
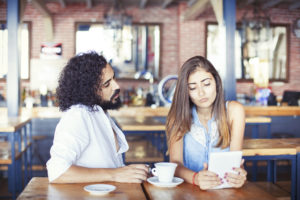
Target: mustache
{"type": "Point", "coordinates": [116, 93]}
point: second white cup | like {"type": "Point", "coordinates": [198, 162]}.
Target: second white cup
{"type": "Point", "coordinates": [164, 171]}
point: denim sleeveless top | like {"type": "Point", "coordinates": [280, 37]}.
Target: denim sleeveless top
{"type": "Point", "coordinates": [199, 142]}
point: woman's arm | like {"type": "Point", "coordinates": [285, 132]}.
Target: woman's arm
{"type": "Point", "coordinates": [236, 114]}
{"type": "Point", "coordinates": [135, 173]}
{"type": "Point", "coordinates": [237, 127]}
{"type": "Point", "coordinates": [176, 156]}
{"type": "Point", "coordinates": [204, 179]}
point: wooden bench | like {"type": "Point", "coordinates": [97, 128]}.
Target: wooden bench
{"type": "Point", "coordinates": [5, 152]}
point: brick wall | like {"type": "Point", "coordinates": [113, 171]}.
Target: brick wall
{"type": "Point", "coordinates": [180, 39]}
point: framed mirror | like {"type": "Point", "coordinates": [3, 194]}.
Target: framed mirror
{"type": "Point", "coordinates": [256, 54]}
{"type": "Point", "coordinates": [133, 51]}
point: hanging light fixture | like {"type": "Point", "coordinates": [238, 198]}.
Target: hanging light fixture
{"type": "Point", "coordinates": [117, 17]}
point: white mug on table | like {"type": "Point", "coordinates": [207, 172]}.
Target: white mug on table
{"type": "Point", "coordinates": [164, 171]}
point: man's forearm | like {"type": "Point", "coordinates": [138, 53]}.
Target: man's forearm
{"type": "Point", "coordinates": [77, 174]}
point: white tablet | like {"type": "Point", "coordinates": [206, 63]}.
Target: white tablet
{"type": "Point", "coordinates": [222, 162]}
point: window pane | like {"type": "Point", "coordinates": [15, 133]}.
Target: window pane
{"type": "Point", "coordinates": [24, 53]}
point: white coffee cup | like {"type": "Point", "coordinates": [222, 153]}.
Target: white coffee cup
{"type": "Point", "coordinates": [164, 171]}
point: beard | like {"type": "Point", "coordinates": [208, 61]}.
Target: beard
{"type": "Point", "coordinates": [113, 103]}
{"type": "Point", "coordinates": [110, 105]}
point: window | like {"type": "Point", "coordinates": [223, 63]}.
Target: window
{"type": "Point", "coordinates": [266, 59]}
{"type": "Point", "coordinates": [24, 50]}
{"type": "Point", "coordinates": [132, 51]}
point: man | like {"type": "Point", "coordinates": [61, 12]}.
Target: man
{"type": "Point", "coordinates": [87, 144]}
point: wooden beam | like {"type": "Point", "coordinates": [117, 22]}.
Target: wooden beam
{"type": "Point", "coordinates": [143, 3]}
{"type": "Point", "coordinates": [166, 3]}
{"type": "Point", "coordinates": [271, 3]}
{"type": "Point", "coordinates": [89, 4]}
{"type": "Point", "coordinates": [23, 4]}
{"type": "Point", "coordinates": [294, 6]}
{"type": "Point", "coordinates": [193, 12]}
{"type": "Point", "coordinates": [62, 3]}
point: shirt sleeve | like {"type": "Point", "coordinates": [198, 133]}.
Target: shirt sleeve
{"type": "Point", "coordinates": [70, 139]}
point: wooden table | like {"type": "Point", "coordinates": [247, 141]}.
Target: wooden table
{"type": "Point", "coordinates": [188, 191]}
{"type": "Point", "coordinates": [16, 130]}
{"type": "Point", "coordinates": [40, 188]}
{"type": "Point", "coordinates": [270, 150]}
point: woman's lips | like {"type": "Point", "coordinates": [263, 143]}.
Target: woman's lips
{"type": "Point", "coordinates": [203, 100]}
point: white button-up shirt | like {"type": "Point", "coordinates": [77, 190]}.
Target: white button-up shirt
{"type": "Point", "coordinates": [85, 139]}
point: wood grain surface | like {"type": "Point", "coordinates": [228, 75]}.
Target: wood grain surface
{"type": "Point", "coordinates": [12, 124]}
{"type": "Point", "coordinates": [187, 191]}
{"type": "Point", "coordinates": [252, 147]}
{"type": "Point", "coordinates": [40, 188]}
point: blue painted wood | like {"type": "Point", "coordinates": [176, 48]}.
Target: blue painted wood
{"type": "Point", "coordinates": [13, 72]}
{"type": "Point", "coordinates": [229, 81]}
{"type": "Point", "coordinates": [298, 176]}
{"type": "Point", "coordinates": [294, 162]}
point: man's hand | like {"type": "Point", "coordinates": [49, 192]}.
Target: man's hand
{"type": "Point", "coordinates": [207, 179]}
{"type": "Point", "coordinates": [135, 173]}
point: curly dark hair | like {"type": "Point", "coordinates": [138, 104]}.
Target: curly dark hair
{"type": "Point", "coordinates": [79, 81]}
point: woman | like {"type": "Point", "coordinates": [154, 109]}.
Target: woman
{"type": "Point", "coordinates": [200, 122]}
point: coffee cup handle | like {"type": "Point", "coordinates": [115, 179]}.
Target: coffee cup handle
{"type": "Point", "coordinates": [154, 172]}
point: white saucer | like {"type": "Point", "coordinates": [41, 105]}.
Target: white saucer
{"type": "Point", "coordinates": [99, 189]}
{"type": "Point", "coordinates": [154, 180]}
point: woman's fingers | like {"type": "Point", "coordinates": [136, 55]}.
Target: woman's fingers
{"type": "Point", "coordinates": [238, 179]}
{"type": "Point", "coordinates": [208, 180]}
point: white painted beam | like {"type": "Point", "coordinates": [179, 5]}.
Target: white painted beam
{"type": "Point", "coordinates": [191, 2]}
{"type": "Point", "coordinates": [62, 3]}
{"type": "Point", "coordinates": [143, 3]}
{"type": "Point", "coordinates": [194, 11]}
{"type": "Point", "coordinates": [40, 5]}
{"type": "Point", "coordinates": [48, 22]}
{"type": "Point", "coordinates": [89, 4]}
{"type": "Point", "coordinates": [218, 10]}
{"type": "Point", "coordinates": [166, 3]}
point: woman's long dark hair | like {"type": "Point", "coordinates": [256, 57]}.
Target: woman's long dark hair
{"type": "Point", "coordinates": [179, 118]}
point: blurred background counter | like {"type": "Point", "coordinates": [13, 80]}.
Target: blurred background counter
{"type": "Point", "coordinates": [53, 112]}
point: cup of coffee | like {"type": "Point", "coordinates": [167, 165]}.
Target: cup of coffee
{"type": "Point", "coordinates": [164, 171]}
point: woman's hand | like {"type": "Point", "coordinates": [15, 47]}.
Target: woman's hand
{"type": "Point", "coordinates": [135, 173]}
{"type": "Point", "coordinates": [237, 180]}
{"type": "Point", "coordinates": [207, 179]}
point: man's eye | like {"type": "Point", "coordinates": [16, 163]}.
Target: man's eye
{"type": "Point", "coordinates": [106, 85]}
